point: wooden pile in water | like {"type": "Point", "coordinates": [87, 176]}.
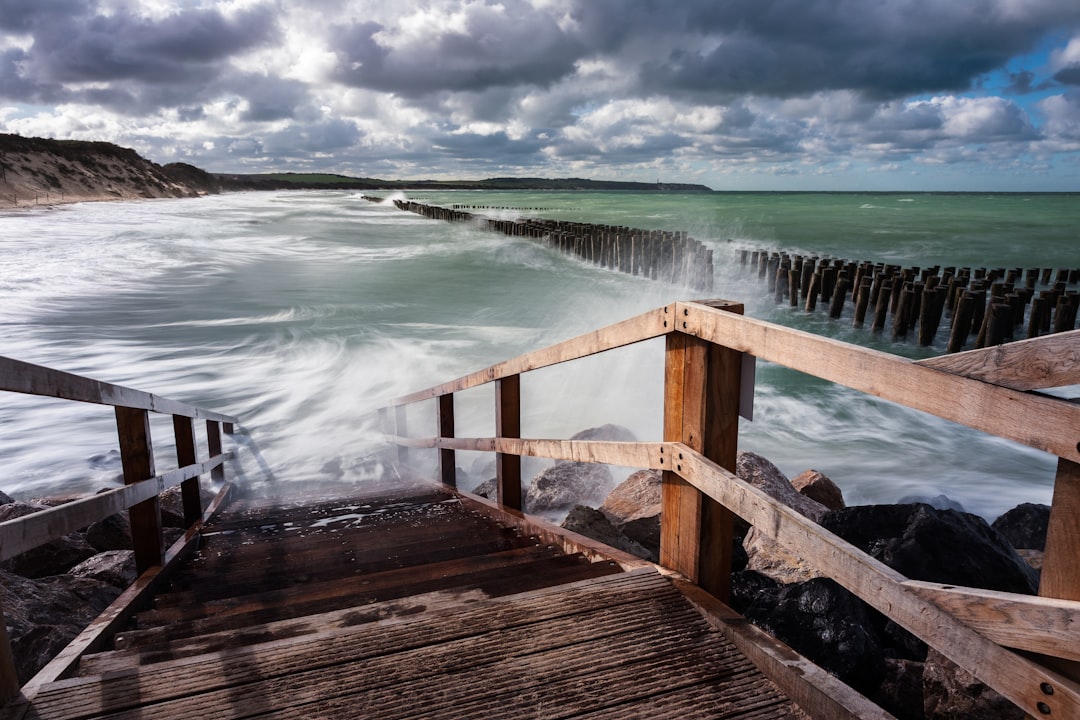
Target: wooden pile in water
{"type": "Point", "coordinates": [671, 257]}
{"type": "Point", "coordinates": [986, 306]}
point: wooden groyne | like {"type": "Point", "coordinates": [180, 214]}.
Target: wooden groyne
{"type": "Point", "coordinates": [672, 257]}
{"type": "Point", "coordinates": [980, 307]}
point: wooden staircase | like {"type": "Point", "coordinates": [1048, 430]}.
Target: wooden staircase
{"type": "Point", "coordinates": [407, 606]}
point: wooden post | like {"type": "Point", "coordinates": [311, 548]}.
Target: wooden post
{"type": "Point", "coordinates": [508, 425]}
{"type": "Point", "coordinates": [137, 458]}
{"type": "Point", "coordinates": [213, 446]}
{"type": "Point", "coordinates": [184, 432]}
{"type": "Point", "coordinates": [1060, 578]}
{"type": "Point", "coordinates": [447, 459]}
{"type": "Point", "coordinates": [701, 410]}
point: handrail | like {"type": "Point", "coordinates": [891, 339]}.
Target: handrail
{"type": "Point", "coordinates": [142, 484]}
{"type": "Point", "coordinates": [977, 629]}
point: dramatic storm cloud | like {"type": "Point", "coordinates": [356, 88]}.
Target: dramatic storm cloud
{"type": "Point", "coordinates": [763, 94]}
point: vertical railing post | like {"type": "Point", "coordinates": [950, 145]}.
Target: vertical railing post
{"type": "Point", "coordinates": [184, 431]}
{"type": "Point", "coordinates": [137, 457]}
{"type": "Point", "coordinates": [1060, 578]}
{"type": "Point", "coordinates": [508, 425]}
{"type": "Point", "coordinates": [447, 457]}
{"type": "Point", "coordinates": [701, 410]}
{"type": "Point", "coordinates": [213, 446]}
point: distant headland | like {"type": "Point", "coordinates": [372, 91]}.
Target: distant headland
{"type": "Point", "coordinates": [39, 171]}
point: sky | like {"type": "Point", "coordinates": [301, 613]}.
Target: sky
{"type": "Point", "coordinates": [734, 94]}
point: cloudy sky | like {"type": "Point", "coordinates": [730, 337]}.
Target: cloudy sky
{"type": "Point", "coordinates": [735, 94]}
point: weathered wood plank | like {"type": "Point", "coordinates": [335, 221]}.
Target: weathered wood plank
{"type": "Point", "coordinates": [626, 454]}
{"type": "Point", "coordinates": [137, 457]}
{"type": "Point", "coordinates": [1060, 575]}
{"type": "Point", "coordinates": [23, 377]}
{"type": "Point", "coordinates": [1017, 678]}
{"type": "Point", "coordinates": [508, 425]}
{"type": "Point", "coordinates": [445, 428]}
{"type": "Point", "coordinates": [1035, 364]}
{"type": "Point", "coordinates": [184, 434]}
{"type": "Point", "coordinates": [1041, 422]}
{"type": "Point", "coordinates": [25, 533]}
{"type": "Point", "coordinates": [633, 330]}
{"type": "Point", "coordinates": [1043, 625]}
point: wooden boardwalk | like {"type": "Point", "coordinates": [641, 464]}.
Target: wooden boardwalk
{"type": "Point", "coordinates": [408, 604]}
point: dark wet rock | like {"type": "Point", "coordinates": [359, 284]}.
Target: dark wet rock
{"type": "Point", "coordinates": [749, 587]}
{"type": "Point", "coordinates": [950, 693]}
{"type": "Point", "coordinates": [943, 546]}
{"type": "Point", "coordinates": [112, 533]}
{"type": "Point", "coordinates": [172, 508]}
{"type": "Point", "coordinates": [43, 616]}
{"type": "Point", "coordinates": [901, 692]}
{"type": "Point", "coordinates": [115, 567]}
{"type": "Point", "coordinates": [594, 524]}
{"type": "Point", "coordinates": [52, 558]}
{"type": "Point", "coordinates": [827, 624]}
{"type": "Point", "coordinates": [1025, 526]}
{"type": "Point", "coordinates": [817, 486]}
{"type": "Point", "coordinates": [941, 502]}
{"type": "Point", "coordinates": [565, 485]}
{"type": "Point", "coordinates": [486, 489]}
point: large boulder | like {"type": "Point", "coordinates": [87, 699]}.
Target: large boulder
{"type": "Point", "coordinates": [566, 484]}
{"type": "Point", "coordinates": [817, 486]}
{"type": "Point", "coordinates": [52, 558]}
{"type": "Point", "coordinates": [762, 474]}
{"type": "Point", "coordinates": [115, 567]}
{"type": "Point", "coordinates": [950, 693]}
{"type": "Point", "coordinates": [111, 533]}
{"type": "Point", "coordinates": [633, 507]}
{"type": "Point", "coordinates": [594, 524]}
{"type": "Point", "coordinates": [43, 616]}
{"type": "Point", "coordinates": [1025, 526]}
{"type": "Point", "coordinates": [827, 624]}
{"type": "Point", "coordinates": [5, 499]}
{"type": "Point", "coordinates": [944, 546]}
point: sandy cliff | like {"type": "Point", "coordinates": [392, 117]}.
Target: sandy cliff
{"type": "Point", "coordinates": [35, 171]}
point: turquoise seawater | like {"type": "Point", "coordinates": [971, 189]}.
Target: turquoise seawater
{"type": "Point", "coordinates": [301, 312]}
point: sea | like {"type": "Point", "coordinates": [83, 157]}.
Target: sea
{"type": "Point", "coordinates": [303, 312]}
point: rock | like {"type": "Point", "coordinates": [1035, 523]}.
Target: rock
{"type": "Point", "coordinates": [766, 556]}
{"type": "Point", "coordinates": [646, 532]}
{"type": "Point", "coordinates": [943, 546]}
{"type": "Point", "coordinates": [1034, 558]}
{"type": "Point", "coordinates": [483, 467]}
{"type": "Point", "coordinates": [1025, 526]}
{"type": "Point", "coordinates": [941, 502]}
{"type": "Point", "coordinates": [565, 485]}
{"type": "Point", "coordinates": [52, 558]}
{"type": "Point", "coordinates": [817, 486]}
{"type": "Point", "coordinates": [486, 489]}
{"type": "Point", "coordinates": [594, 524]}
{"type": "Point", "coordinates": [901, 692]}
{"type": "Point", "coordinates": [606, 433]}
{"type": "Point", "coordinates": [43, 616]}
{"type": "Point", "coordinates": [763, 475]}
{"type": "Point", "coordinates": [638, 496]}
{"type": "Point", "coordinates": [749, 587]}
{"type": "Point", "coordinates": [112, 533]}
{"type": "Point", "coordinates": [827, 624]}
{"type": "Point", "coordinates": [5, 499]}
{"type": "Point", "coordinates": [115, 567]}
{"type": "Point", "coordinates": [950, 693]}
{"type": "Point", "coordinates": [172, 508]}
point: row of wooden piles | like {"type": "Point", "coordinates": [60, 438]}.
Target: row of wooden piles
{"type": "Point", "coordinates": [985, 306]}
{"type": "Point", "coordinates": [671, 257]}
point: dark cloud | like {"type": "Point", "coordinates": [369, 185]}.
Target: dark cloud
{"type": "Point", "coordinates": [1068, 75]}
{"type": "Point", "coordinates": [505, 45]}
{"type": "Point", "coordinates": [314, 137]}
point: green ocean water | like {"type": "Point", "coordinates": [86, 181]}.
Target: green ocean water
{"type": "Point", "coordinates": [301, 312]}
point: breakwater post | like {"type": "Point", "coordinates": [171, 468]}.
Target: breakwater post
{"type": "Point", "coordinates": [672, 257]}
{"type": "Point", "coordinates": [994, 305]}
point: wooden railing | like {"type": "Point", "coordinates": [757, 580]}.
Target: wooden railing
{"type": "Point", "coordinates": [142, 484]}
{"type": "Point", "coordinates": [1025, 647]}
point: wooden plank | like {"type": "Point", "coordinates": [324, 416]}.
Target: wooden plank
{"type": "Point", "coordinates": [1045, 362]}
{"type": "Point", "coordinates": [24, 377]}
{"type": "Point", "coordinates": [1060, 575]}
{"type": "Point", "coordinates": [818, 692]}
{"type": "Point", "coordinates": [137, 457]}
{"type": "Point", "coordinates": [1041, 422]}
{"type": "Point", "coordinates": [508, 425]}
{"type": "Point", "coordinates": [213, 445]}
{"type": "Point", "coordinates": [642, 327]}
{"type": "Point", "coordinates": [184, 433]}
{"type": "Point", "coordinates": [1042, 625]}
{"type": "Point", "coordinates": [626, 454]}
{"type": "Point", "coordinates": [117, 615]}
{"type": "Point", "coordinates": [25, 533]}
{"type": "Point", "coordinates": [445, 428]}
{"type": "Point", "coordinates": [630, 596]}
{"type": "Point", "coordinates": [1015, 677]}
